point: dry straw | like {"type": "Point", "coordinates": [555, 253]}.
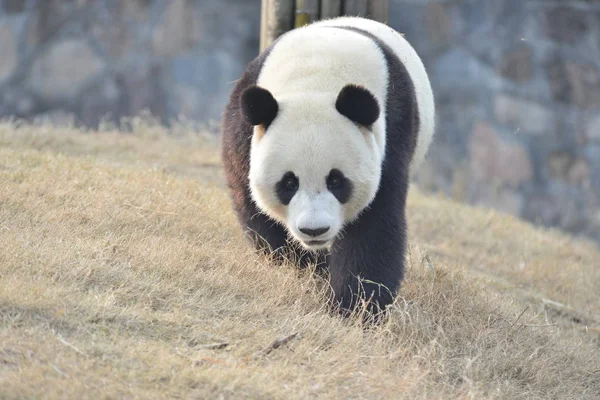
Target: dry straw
{"type": "Point", "coordinates": [123, 274]}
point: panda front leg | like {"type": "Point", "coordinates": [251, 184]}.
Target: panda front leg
{"type": "Point", "coordinates": [367, 263]}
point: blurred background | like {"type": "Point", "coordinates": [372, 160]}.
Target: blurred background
{"type": "Point", "coordinates": [517, 84]}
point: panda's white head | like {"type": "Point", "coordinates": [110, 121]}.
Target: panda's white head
{"type": "Point", "coordinates": [314, 162]}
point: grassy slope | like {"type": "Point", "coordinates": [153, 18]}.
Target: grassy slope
{"type": "Point", "coordinates": [123, 274]}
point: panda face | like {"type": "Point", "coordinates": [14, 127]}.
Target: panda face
{"type": "Point", "coordinates": [313, 169]}
{"type": "Point", "coordinates": [314, 217]}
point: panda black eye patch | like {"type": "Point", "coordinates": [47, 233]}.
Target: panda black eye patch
{"type": "Point", "coordinates": [287, 187]}
{"type": "Point", "coordinates": [339, 185]}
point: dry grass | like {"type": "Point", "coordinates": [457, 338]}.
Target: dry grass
{"type": "Point", "coordinates": [123, 274]}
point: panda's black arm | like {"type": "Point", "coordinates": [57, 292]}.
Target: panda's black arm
{"type": "Point", "coordinates": [367, 263]}
{"type": "Point", "coordinates": [270, 238]}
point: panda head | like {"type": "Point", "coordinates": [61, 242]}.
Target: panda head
{"type": "Point", "coordinates": [314, 162]}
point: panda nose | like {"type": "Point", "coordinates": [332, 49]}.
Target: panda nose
{"type": "Point", "coordinates": [314, 232]}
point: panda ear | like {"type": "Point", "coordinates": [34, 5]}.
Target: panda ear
{"type": "Point", "coordinates": [358, 104]}
{"type": "Point", "coordinates": [259, 106]}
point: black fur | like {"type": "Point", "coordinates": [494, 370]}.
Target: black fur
{"type": "Point", "coordinates": [287, 187]}
{"type": "Point", "coordinates": [259, 106]}
{"type": "Point", "coordinates": [358, 104]}
{"type": "Point", "coordinates": [367, 261]}
{"type": "Point", "coordinates": [339, 185]}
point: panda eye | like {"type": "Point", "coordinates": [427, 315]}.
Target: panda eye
{"type": "Point", "coordinates": [291, 183]}
{"type": "Point", "coordinates": [335, 179]}
{"type": "Point", "coordinates": [334, 182]}
{"type": "Point", "coordinates": [339, 185]}
{"type": "Point", "coordinates": [287, 187]}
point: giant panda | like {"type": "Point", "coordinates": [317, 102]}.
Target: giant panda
{"type": "Point", "coordinates": [319, 139]}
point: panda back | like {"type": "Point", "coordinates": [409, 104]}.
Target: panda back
{"type": "Point", "coordinates": [325, 56]}
{"type": "Point", "coordinates": [415, 68]}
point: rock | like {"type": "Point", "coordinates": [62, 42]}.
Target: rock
{"type": "Point", "coordinates": [121, 28]}
{"type": "Point", "coordinates": [14, 6]}
{"type": "Point", "coordinates": [486, 30]}
{"type": "Point", "coordinates": [497, 161]}
{"type": "Point", "coordinates": [47, 18]}
{"type": "Point", "coordinates": [567, 167]}
{"type": "Point", "coordinates": [65, 69]}
{"type": "Point", "coordinates": [592, 129]}
{"type": "Point", "coordinates": [115, 38]}
{"type": "Point", "coordinates": [143, 91]}
{"type": "Point", "coordinates": [56, 118]}
{"type": "Point", "coordinates": [596, 218]}
{"type": "Point", "coordinates": [556, 76]}
{"type": "Point", "coordinates": [100, 102]}
{"type": "Point", "coordinates": [502, 199]}
{"type": "Point", "coordinates": [579, 173]}
{"type": "Point", "coordinates": [584, 82]}
{"type": "Point", "coordinates": [592, 154]}
{"type": "Point", "coordinates": [115, 41]}
{"type": "Point", "coordinates": [541, 208]}
{"type": "Point", "coordinates": [17, 100]}
{"type": "Point", "coordinates": [460, 72]}
{"type": "Point", "coordinates": [573, 83]}
{"type": "Point", "coordinates": [427, 176]}
{"type": "Point", "coordinates": [173, 35]}
{"type": "Point", "coordinates": [517, 64]}
{"type": "Point", "coordinates": [188, 101]}
{"type": "Point", "coordinates": [8, 51]}
{"type": "Point", "coordinates": [523, 115]}
{"type": "Point", "coordinates": [133, 10]}
{"type": "Point", "coordinates": [201, 74]}
{"type": "Point", "coordinates": [558, 164]}
{"type": "Point", "coordinates": [25, 105]}
{"type": "Point", "coordinates": [439, 25]}
{"type": "Point", "coordinates": [438, 171]}
{"type": "Point", "coordinates": [566, 24]}
{"type": "Point", "coordinates": [562, 205]}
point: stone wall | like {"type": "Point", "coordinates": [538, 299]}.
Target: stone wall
{"type": "Point", "coordinates": [110, 59]}
{"type": "Point", "coordinates": [517, 84]}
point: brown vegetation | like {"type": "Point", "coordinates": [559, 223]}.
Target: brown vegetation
{"type": "Point", "coordinates": [123, 274]}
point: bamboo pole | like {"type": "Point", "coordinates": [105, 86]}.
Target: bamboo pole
{"type": "Point", "coordinates": [277, 17]}
{"type": "Point", "coordinates": [331, 8]}
{"type": "Point", "coordinates": [307, 11]}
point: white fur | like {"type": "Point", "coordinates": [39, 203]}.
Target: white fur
{"type": "Point", "coordinates": [295, 70]}
{"type": "Point", "coordinates": [309, 137]}
{"type": "Point", "coordinates": [325, 140]}
{"type": "Point", "coordinates": [415, 68]}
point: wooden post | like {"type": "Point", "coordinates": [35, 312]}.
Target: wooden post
{"type": "Point", "coordinates": [280, 16]}
{"type": "Point", "coordinates": [331, 8]}
{"type": "Point", "coordinates": [378, 10]}
{"type": "Point", "coordinates": [374, 9]}
{"type": "Point", "coordinates": [277, 17]}
{"type": "Point", "coordinates": [354, 8]}
{"type": "Point", "coordinates": [307, 11]}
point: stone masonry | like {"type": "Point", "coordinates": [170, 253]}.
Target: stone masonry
{"type": "Point", "coordinates": [109, 59]}
{"type": "Point", "coordinates": [517, 84]}
{"type": "Point", "coordinates": [517, 87]}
